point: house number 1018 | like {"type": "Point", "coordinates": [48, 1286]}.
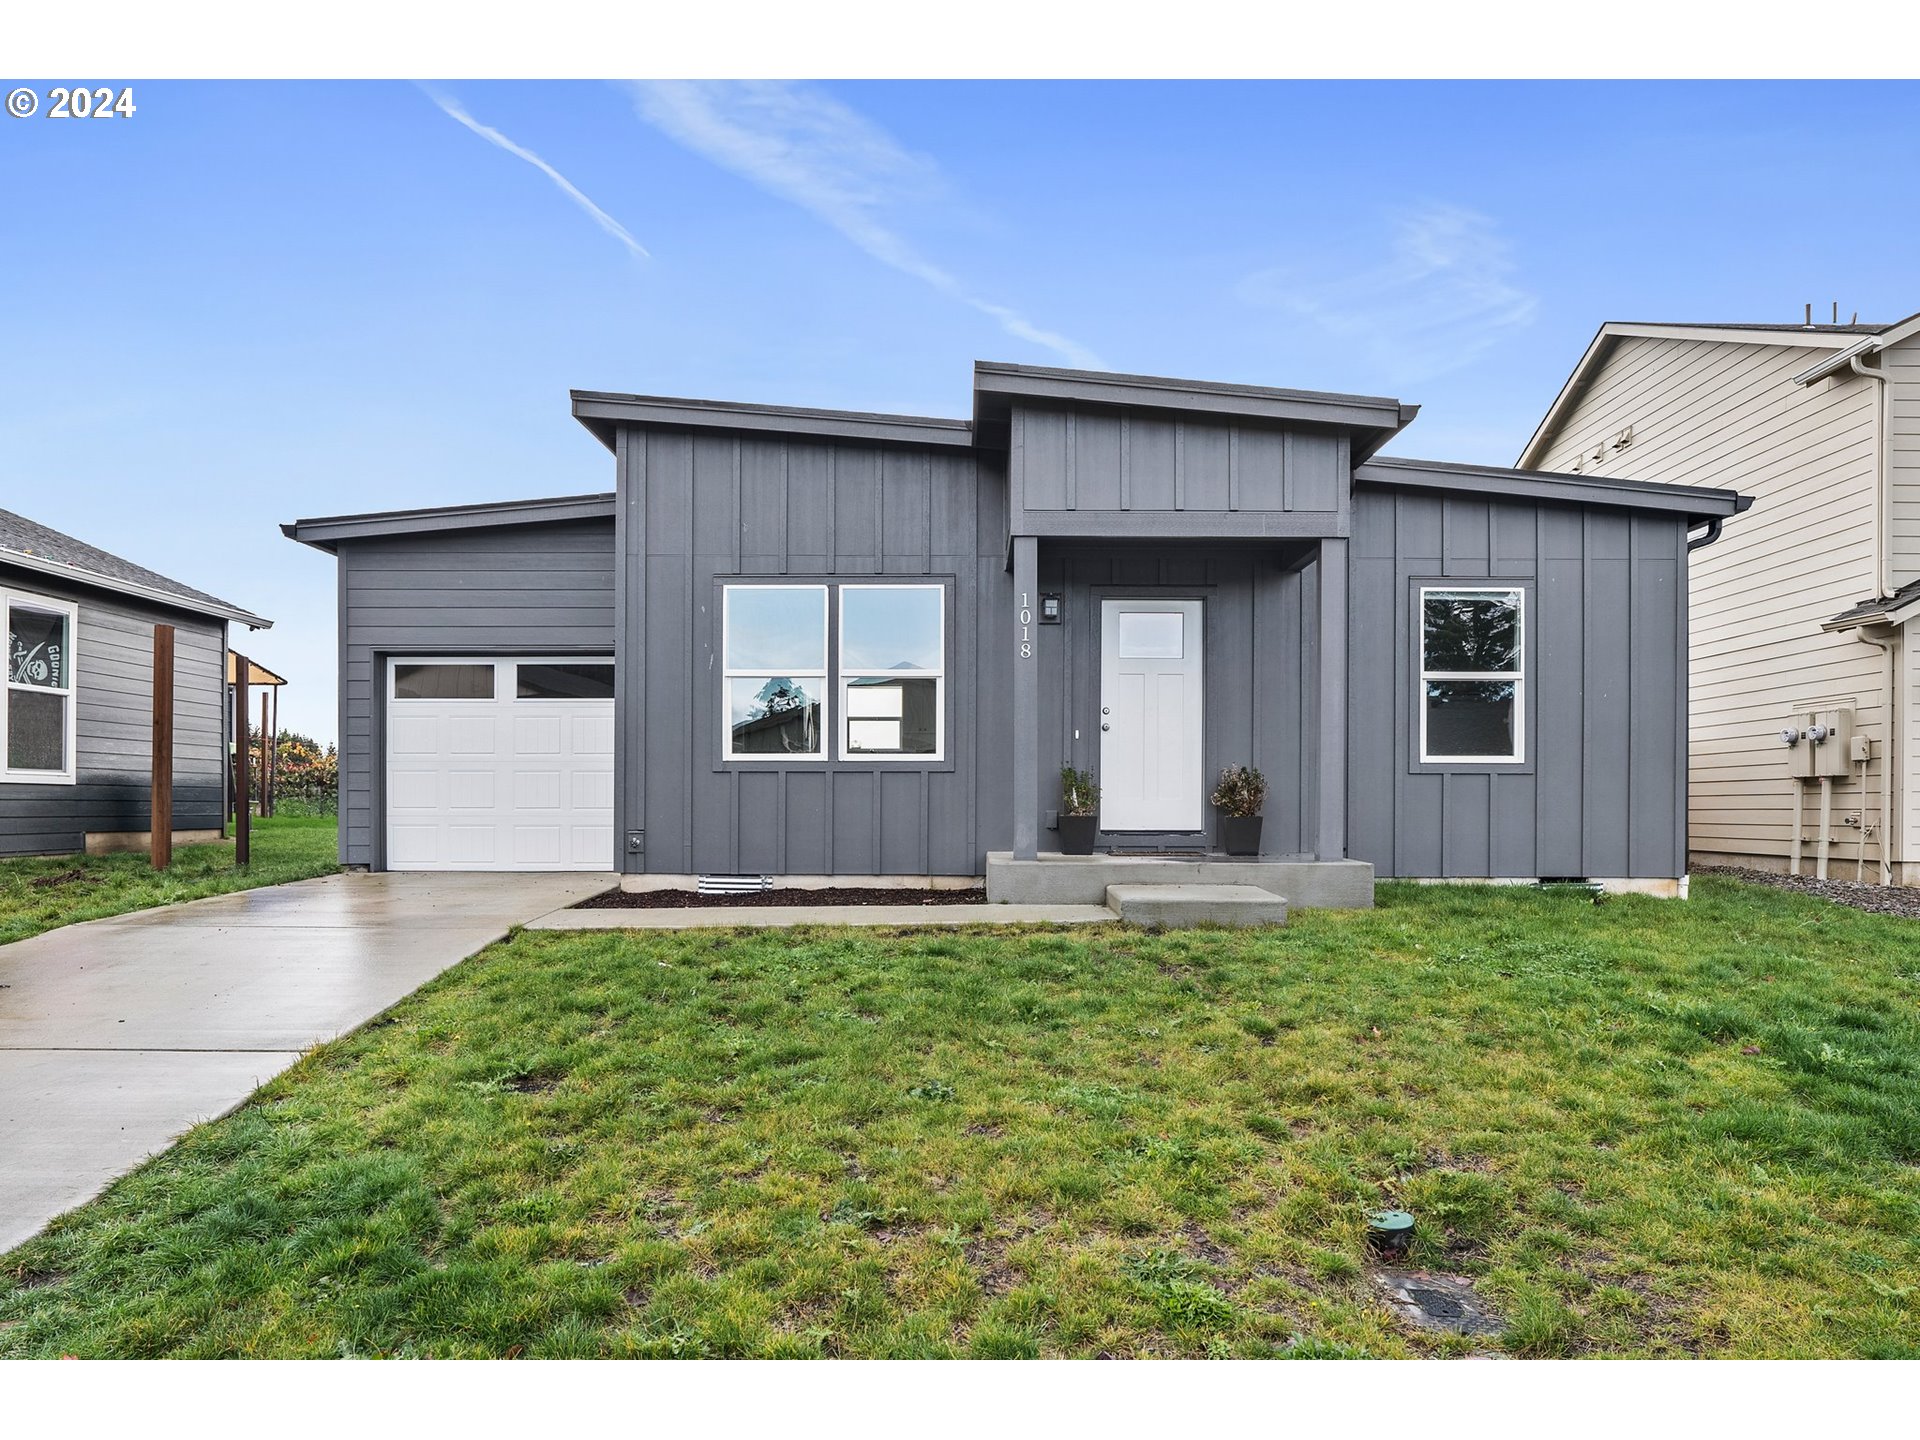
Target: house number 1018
{"type": "Point", "coordinates": [1026, 626]}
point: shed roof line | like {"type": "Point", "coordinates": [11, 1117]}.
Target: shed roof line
{"type": "Point", "coordinates": [324, 532]}
{"type": "Point", "coordinates": [1699, 503]}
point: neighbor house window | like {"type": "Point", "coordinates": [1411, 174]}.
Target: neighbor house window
{"type": "Point", "coordinates": [774, 660]}
{"type": "Point", "coordinates": [38, 699]}
{"type": "Point", "coordinates": [892, 671]}
{"type": "Point", "coordinates": [1472, 674]}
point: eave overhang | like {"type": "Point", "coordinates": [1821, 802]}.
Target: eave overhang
{"type": "Point", "coordinates": [1372, 420]}
{"type": "Point", "coordinates": [1699, 504]}
{"type": "Point", "coordinates": [603, 413]}
{"type": "Point", "coordinates": [326, 532]}
{"type": "Point", "coordinates": [79, 575]}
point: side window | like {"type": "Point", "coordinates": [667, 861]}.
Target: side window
{"type": "Point", "coordinates": [38, 698]}
{"type": "Point", "coordinates": [892, 671]}
{"type": "Point", "coordinates": [774, 660]}
{"type": "Point", "coordinates": [1472, 674]}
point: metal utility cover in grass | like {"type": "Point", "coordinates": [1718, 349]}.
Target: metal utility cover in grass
{"type": "Point", "coordinates": [1437, 1302]}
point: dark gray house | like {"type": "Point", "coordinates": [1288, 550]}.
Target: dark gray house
{"type": "Point", "coordinates": [813, 643]}
{"type": "Point", "coordinates": [77, 707]}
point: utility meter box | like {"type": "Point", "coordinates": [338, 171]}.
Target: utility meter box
{"type": "Point", "coordinates": [1833, 756]}
{"type": "Point", "coordinates": [1799, 748]}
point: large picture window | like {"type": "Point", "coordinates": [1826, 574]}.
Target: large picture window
{"type": "Point", "coordinates": [775, 667]}
{"type": "Point", "coordinates": [892, 670]}
{"type": "Point", "coordinates": [38, 699]}
{"type": "Point", "coordinates": [1472, 674]}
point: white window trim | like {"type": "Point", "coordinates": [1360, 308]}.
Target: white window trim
{"type": "Point", "coordinates": [938, 675]}
{"type": "Point", "coordinates": [27, 600]}
{"type": "Point", "coordinates": [1517, 676]}
{"type": "Point", "coordinates": [728, 675]}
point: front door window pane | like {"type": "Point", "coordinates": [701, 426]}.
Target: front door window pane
{"type": "Point", "coordinates": [1152, 634]}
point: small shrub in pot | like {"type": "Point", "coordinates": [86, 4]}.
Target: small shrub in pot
{"type": "Point", "coordinates": [1079, 811]}
{"type": "Point", "coordinates": [1238, 798]}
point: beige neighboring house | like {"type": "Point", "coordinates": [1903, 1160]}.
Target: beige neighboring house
{"type": "Point", "coordinates": [1809, 607]}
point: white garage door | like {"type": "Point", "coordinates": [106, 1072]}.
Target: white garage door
{"type": "Point", "coordinates": [500, 764]}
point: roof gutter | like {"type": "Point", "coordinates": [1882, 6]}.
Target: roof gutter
{"type": "Point", "coordinates": [1700, 542]}
{"type": "Point", "coordinates": [59, 568]}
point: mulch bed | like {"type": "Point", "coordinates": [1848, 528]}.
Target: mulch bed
{"type": "Point", "coordinates": [1901, 900]}
{"type": "Point", "coordinates": [693, 900]}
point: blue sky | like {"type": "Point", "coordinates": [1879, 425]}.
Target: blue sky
{"type": "Point", "coordinates": [251, 302]}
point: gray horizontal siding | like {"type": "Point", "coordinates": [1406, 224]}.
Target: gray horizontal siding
{"type": "Point", "coordinates": [1603, 792]}
{"type": "Point", "coordinates": [696, 509]}
{"type": "Point", "coordinates": [527, 588]}
{"type": "Point", "coordinates": [113, 721]}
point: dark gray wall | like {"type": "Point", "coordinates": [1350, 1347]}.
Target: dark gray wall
{"type": "Point", "coordinates": [113, 660]}
{"type": "Point", "coordinates": [696, 509]}
{"type": "Point", "coordinates": [1603, 792]}
{"type": "Point", "coordinates": [1135, 474]}
{"type": "Point", "coordinates": [523, 589]}
{"type": "Point", "coordinates": [1258, 671]}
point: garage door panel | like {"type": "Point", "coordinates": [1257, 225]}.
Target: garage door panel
{"type": "Point", "coordinates": [536, 790]}
{"type": "Point", "coordinates": [472, 844]}
{"type": "Point", "coordinates": [508, 783]}
{"type": "Point", "coordinates": [470, 790]}
{"type": "Point", "coordinates": [413, 735]}
{"type": "Point", "coordinates": [412, 789]}
{"type": "Point", "coordinates": [473, 734]}
{"type": "Point", "coordinates": [536, 734]}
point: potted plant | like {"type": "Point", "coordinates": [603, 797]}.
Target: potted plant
{"type": "Point", "coordinates": [1238, 797]}
{"type": "Point", "coordinates": [1079, 811]}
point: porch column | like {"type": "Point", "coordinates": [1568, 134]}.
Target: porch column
{"type": "Point", "coordinates": [1026, 699]}
{"type": "Point", "coordinates": [1330, 826]}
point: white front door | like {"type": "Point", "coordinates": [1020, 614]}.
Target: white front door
{"type": "Point", "coordinates": [500, 764]}
{"type": "Point", "coordinates": [1151, 734]}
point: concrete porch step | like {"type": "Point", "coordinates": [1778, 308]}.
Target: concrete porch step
{"type": "Point", "coordinates": [1172, 907]}
{"type": "Point", "coordinates": [1053, 879]}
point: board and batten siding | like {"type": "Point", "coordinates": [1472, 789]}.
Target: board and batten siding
{"type": "Point", "coordinates": [524, 589]}
{"type": "Point", "coordinates": [699, 509]}
{"type": "Point", "coordinates": [1729, 415]}
{"type": "Point", "coordinates": [1601, 790]}
{"type": "Point", "coordinates": [113, 722]}
{"type": "Point", "coordinates": [1127, 473]}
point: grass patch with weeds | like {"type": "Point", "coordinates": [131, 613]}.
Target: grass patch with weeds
{"type": "Point", "coordinates": [44, 892]}
{"type": "Point", "coordinates": [1639, 1128]}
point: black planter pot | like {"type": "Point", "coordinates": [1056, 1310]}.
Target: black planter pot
{"type": "Point", "coordinates": [1240, 834]}
{"type": "Point", "coordinates": [1077, 834]}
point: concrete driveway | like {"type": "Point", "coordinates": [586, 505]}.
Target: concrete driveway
{"type": "Point", "coordinates": [118, 1035]}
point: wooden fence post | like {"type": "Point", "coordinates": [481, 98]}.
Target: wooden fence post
{"type": "Point", "coordinates": [160, 810]}
{"type": "Point", "coordinates": [266, 759]}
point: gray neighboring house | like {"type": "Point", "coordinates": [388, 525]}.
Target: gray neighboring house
{"type": "Point", "coordinates": [77, 706]}
{"type": "Point", "coordinates": [809, 643]}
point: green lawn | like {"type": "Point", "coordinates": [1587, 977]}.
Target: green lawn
{"type": "Point", "coordinates": [49, 891]}
{"type": "Point", "coordinates": [1641, 1127]}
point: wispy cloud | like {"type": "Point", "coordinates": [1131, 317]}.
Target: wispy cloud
{"type": "Point", "coordinates": [1443, 296]}
{"type": "Point", "coordinates": [806, 147]}
{"type": "Point", "coordinates": [573, 192]}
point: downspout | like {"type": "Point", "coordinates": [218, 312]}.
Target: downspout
{"type": "Point", "coordinates": [1882, 473]}
{"type": "Point", "coordinates": [1889, 750]}
{"type": "Point", "coordinates": [1882, 498]}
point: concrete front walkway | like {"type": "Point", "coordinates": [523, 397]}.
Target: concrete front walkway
{"type": "Point", "coordinates": [118, 1035]}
